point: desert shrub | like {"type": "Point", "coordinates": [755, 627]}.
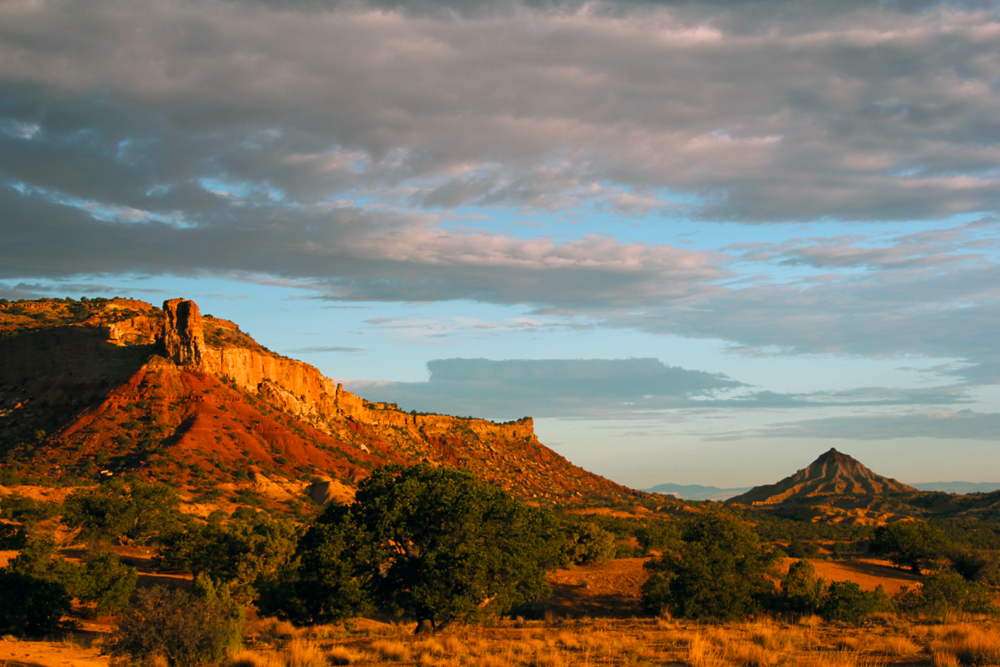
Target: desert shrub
{"type": "Point", "coordinates": [912, 544]}
{"type": "Point", "coordinates": [980, 566]}
{"type": "Point", "coordinates": [801, 590]}
{"type": "Point", "coordinates": [38, 559]}
{"type": "Point", "coordinates": [721, 570]}
{"type": "Point", "coordinates": [108, 582]}
{"type": "Point", "coordinates": [657, 535]}
{"type": "Point", "coordinates": [945, 592]}
{"type": "Point", "coordinates": [27, 510]}
{"type": "Point", "coordinates": [127, 511]}
{"type": "Point", "coordinates": [12, 538]}
{"type": "Point", "coordinates": [587, 543]}
{"type": "Point", "coordinates": [185, 629]}
{"type": "Point", "coordinates": [30, 605]}
{"type": "Point", "coordinates": [845, 601]}
{"type": "Point", "coordinates": [103, 579]}
{"type": "Point", "coordinates": [246, 553]}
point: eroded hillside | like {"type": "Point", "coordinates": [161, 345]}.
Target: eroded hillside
{"type": "Point", "coordinates": [112, 386]}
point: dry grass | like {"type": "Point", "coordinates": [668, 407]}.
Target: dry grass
{"type": "Point", "coordinates": [396, 651]}
{"type": "Point", "coordinates": [969, 644]}
{"type": "Point", "coordinates": [342, 655]}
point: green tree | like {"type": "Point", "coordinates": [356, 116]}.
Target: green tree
{"type": "Point", "coordinates": [432, 542]}
{"type": "Point", "coordinates": [912, 544]}
{"type": "Point", "coordinates": [947, 591]}
{"type": "Point", "coordinates": [103, 578]}
{"type": "Point", "coordinates": [127, 511]}
{"type": "Point", "coordinates": [801, 590]}
{"type": "Point", "coordinates": [587, 543]}
{"type": "Point", "coordinates": [244, 553]}
{"type": "Point", "coordinates": [720, 570]}
{"type": "Point", "coordinates": [845, 601]}
{"type": "Point", "coordinates": [108, 582]}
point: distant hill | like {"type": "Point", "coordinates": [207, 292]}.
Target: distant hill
{"type": "Point", "coordinates": [96, 388]}
{"type": "Point", "coordinates": [832, 474]}
{"type": "Point", "coordinates": [697, 491]}
{"type": "Point", "coordinates": [960, 488]}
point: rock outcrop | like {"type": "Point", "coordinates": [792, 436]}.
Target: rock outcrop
{"type": "Point", "coordinates": [832, 474]}
{"type": "Point", "coordinates": [183, 332]}
{"type": "Point", "coordinates": [120, 386]}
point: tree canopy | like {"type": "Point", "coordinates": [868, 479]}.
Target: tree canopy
{"type": "Point", "coordinates": [912, 544]}
{"type": "Point", "coordinates": [435, 543]}
{"type": "Point", "coordinates": [720, 570]}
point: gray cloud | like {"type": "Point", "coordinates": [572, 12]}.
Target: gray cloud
{"type": "Point", "coordinates": [318, 142]}
{"type": "Point", "coordinates": [609, 388]}
{"type": "Point", "coordinates": [962, 425]}
{"type": "Point", "coordinates": [548, 387]}
{"type": "Point", "coordinates": [761, 111]}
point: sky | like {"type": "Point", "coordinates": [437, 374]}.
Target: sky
{"type": "Point", "coordinates": [699, 242]}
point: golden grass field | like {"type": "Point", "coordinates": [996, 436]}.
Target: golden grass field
{"type": "Point", "coordinates": [593, 620]}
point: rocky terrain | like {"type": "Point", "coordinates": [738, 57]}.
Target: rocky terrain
{"type": "Point", "coordinates": [104, 387]}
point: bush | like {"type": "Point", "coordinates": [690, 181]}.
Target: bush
{"type": "Point", "coordinates": [721, 570]}
{"type": "Point", "coordinates": [30, 605]}
{"type": "Point", "coordinates": [945, 592]}
{"type": "Point", "coordinates": [185, 629]}
{"type": "Point", "coordinates": [246, 553]}
{"type": "Point", "coordinates": [27, 510]}
{"type": "Point", "coordinates": [12, 538]}
{"type": "Point", "coordinates": [127, 511]}
{"type": "Point", "coordinates": [801, 590]}
{"type": "Point", "coordinates": [980, 566]}
{"type": "Point", "coordinates": [587, 543]}
{"type": "Point", "coordinates": [845, 601]}
{"type": "Point", "coordinates": [108, 582]}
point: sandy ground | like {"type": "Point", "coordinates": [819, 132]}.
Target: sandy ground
{"type": "Point", "coordinates": [50, 654]}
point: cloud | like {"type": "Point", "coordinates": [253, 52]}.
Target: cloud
{"type": "Point", "coordinates": [611, 389]}
{"type": "Point", "coordinates": [756, 111]}
{"type": "Point", "coordinates": [548, 387]}
{"type": "Point", "coordinates": [321, 349]}
{"type": "Point", "coordinates": [962, 425]}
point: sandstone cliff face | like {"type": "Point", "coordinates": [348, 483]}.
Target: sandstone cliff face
{"type": "Point", "coordinates": [831, 474]}
{"type": "Point", "coordinates": [215, 399]}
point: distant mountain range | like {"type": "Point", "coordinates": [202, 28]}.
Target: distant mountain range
{"type": "Point", "coordinates": [699, 492]}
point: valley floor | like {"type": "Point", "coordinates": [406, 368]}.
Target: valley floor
{"type": "Point", "coordinates": [886, 642]}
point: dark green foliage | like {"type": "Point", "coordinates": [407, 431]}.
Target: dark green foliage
{"type": "Point", "coordinates": [434, 543]}
{"type": "Point", "coordinates": [587, 543]}
{"type": "Point", "coordinates": [27, 510]}
{"type": "Point", "coordinates": [126, 511]}
{"type": "Point", "coordinates": [12, 538]}
{"type": "Point", "coordinates": [845, 601]}
{"type": "Point", "coordinates": [801, 590]}
{"type": "Point", "coordinates": [38, 559]}
{"type": "Point", "coordinates": [944, 592]}
{"type": "Point", "coordinates": [980, 566]}
{"type": "Point", "coordinates": [186, 629]}
{"type": "Point", "coordinates": [103, 579]}
{"type": "Point", "coordinates": [912, 544]}
{"type": "Point", "coordinates": [337, 559]}
{"type": "Point", "coordinates": [30, 605]}
{"type": "Point", "coordinates": [720, 570]}
{"type": "Point", "coordinates": [657, 535]}
{"type": "Point", "coordinates": [108, 582]}
{"type": "Point", "coordinates": [244, 553]}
